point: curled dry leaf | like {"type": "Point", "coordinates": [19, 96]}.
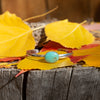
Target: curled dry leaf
{"type": "Point", "coordinates": [71, 35]}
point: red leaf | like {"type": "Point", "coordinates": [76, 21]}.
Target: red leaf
{"type": "Point", "coordinates": [10, 59]}
{"type": "Point", "coordinates": [51, 45]}
{"type": "Point", "coordinates": [89, 46]}
{"type": "Point", "coordinates": [76, 59]}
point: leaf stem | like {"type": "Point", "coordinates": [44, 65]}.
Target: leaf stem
{"type": "Point", "coordinates": [30, 18]}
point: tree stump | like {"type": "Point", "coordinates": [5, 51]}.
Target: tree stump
{"type": "Point", "coordinates": [13, 90]}
{"type": "Point", "coordinates": [78, 83]}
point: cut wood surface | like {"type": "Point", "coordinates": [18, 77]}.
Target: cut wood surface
{"type": "Point", "coordinates": [78, 83]}
{"type": "Point", "coordinates": [48, 85]}
{"type": "Point", "coordinates": [13, 90]}
{"type": "Point", "coordinates": [85, 84]}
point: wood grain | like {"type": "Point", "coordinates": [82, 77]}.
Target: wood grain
{"type": "Point", "coordinates": [85, 84]}
{"type": "Point", "coordinates": [13, 90]}
{"type": "Point", "coordinates": [95, 9]}
{"type": "Point", "coordinates": [78, 83]}
{"type": "Point", "coordinates": [74, 10]}
{"type": "Point", "coordinates": [0, 7]}
{"type": "Point", "coordinates": [25, 8]}
{"type": "Point", "coordinates": [48, 85]}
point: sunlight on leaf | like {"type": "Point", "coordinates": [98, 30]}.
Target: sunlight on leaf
{"type": "Point", "coordinates": [15, 36]}
{"type": "Point", "coordinates": [68, 34]}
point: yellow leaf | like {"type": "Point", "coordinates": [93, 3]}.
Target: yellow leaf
{"type": "Point", "coordinates": [90, 51]}
{"type": "Point", "coordinates": [15, 36]}
{"type": "Point", "coordinates": [7, 65]}
{"type": "Point", "coordinates": [93, 58]}
{"type": "Point", "coordinates": [68, 34]}
{"type": "Point", "coordinates": [40, 63]}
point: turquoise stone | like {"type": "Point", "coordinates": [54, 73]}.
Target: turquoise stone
{"type": "Point", "coordinates": [51, 57]}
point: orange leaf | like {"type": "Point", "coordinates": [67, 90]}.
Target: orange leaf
{"type": "Point", "coordinates": [10, 59]}
{"type": "Point", "coordinates": [21, 72]}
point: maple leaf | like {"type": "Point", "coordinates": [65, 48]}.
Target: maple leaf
{"type": "Point", "coordinates": [71, 35]}
{"type": "Point", "coordinates": [15, 36]}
